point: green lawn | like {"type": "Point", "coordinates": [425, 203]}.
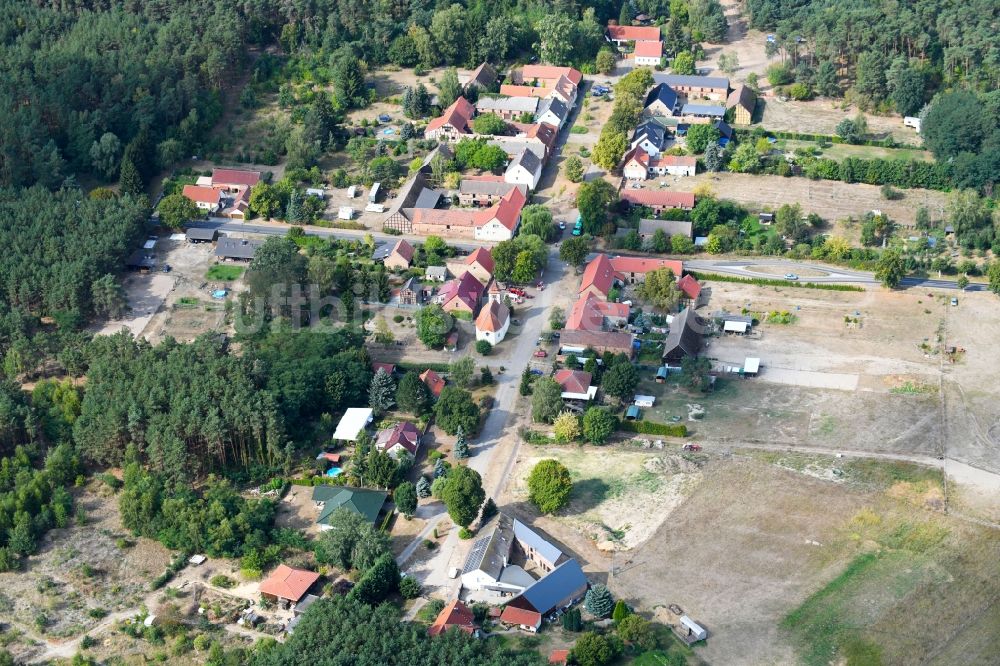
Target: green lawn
{"type": "Point", "coordinates": [839, 151]}
{"type": "Point", "coordinates": [225, 273]}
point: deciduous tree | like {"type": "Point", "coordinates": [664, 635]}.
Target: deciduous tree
{"type": "Point", "coordinates": [463, 495]}
{"type": "Point", "coordinates": [549, 486]}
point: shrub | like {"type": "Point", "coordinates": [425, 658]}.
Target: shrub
{"type": "Point", "coordinates": [223, 581]}
{"type": "Point", "coordinates": [650, 428]}
{"type": "Point", "coordinates": [398, 319]}
{"type": "Point", "coordinates": [409, 588]}
{"type": "Point", "coordinates": [483, 347]}
{"type": "Point", "coordinates": [465, 533]}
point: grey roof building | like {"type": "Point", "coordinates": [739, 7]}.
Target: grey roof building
{"type": "Point", "coordinates": [662, 93]}
{"type": "Point", "coordinates": [199, 235]}
{"type": "Point", "coordinates": [704, 110]}
{"type": "Point", "coordinates": [507, 105]}
{"type": "Point", "coordinates": [691, 81]}
{"type": "Point", "coordinates": [241, 249]}
{"type": "Point", "coordinates": [685, 336]}
{"type": "Point", "coordinates": [652, 131]}
{"type": "Point", "coordinates": [544, 553]}
{"type": "Point", "coordinates": [527, 159]}
{"type": "Point", "coordinates": [554, 105]}
{"type": "Point", "coordinates": [565, 585]}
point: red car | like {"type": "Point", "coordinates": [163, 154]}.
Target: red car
{"type": "Point", "coordinates": [541, 353]}
{"type": "Point", "coordinates": [692, 447]}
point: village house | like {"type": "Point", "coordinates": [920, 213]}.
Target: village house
{"type": "Point", "coordinates": [650, 136]}
{"type": "Point", "coordinates": [639, 165]}
{"type": "Point", "coordinates": [453, 124]}
{"type": "Point", "coordinates": [234, 181]}
{"type": "Point", "coordinates": [404, 437]}
{"type": "Point", "coordinates": [544, 75]}
{"type": "Point", "coordinates": [508, 108]}
{"type": "Point", "coordinates": [519, 618]}
{"type": "Point", "coordinates": [624, 35]}
{"type": "Point", "coordinates": [455, 614]}
{"type": "Point", "coordinates": [552, 111]}
{"type": "Point", "coordinates": [483, 77]}
{"type": "Point", "coordinates": [661, 100]}
{"type": "Point", "coordinates": [496, 223]}
{"type": "Point", "coordinates": [412, 292]}
{"type": "Point", "coordinates": [575, 385]}
{"type": "Point", "coordinates": [576, 342]}
{"type": "Point", "coordinates": [461, 296]}
{"type": "Point", "coordinates": [436, 273]}
{"type": "Point", "coordinates": [590, 313]}
{"type": "Point", "coordinates": [525, 169]}
{"type": "Point", "coordinates": [236, 249]}
{"type": "Point", "coordinates": [690, 291]}
{"type": "Point", "coordinates": [493, 322]}
{"type": "Point", "coordinates": [488, 566]}
{"type": "Point", "coordinates": [598, 278]}
{"type": "Point", "coordinates": [433, 381]}
{"type": "Point", "coordinates": [648, 54]}
{"type": "Point", "coordinates": [743, 101]}
{"type": "Point", "coordinates": [287, 585]}
{"type": "Point", "coordinates": [658, 200]}
{"type": "Point", "coordinates": [362, 501]}
{"type": "Point", "coordinates": [633, 270]}
{"type": "Point", "coordinates": [205, 198]}
{"type": "Point", "coordinates": [709, 87]}
{"type": "Point", "coordinates": [484, 191]}
{"type": "Point", "coordinates": [399, 256]}
{"type": "Point", "coordinates": [479, 262]}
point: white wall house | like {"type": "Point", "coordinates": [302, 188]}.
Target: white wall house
{"type": "Point", "coordinates": [526, 169]}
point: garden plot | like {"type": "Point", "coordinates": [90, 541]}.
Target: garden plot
{"type": "Point", "coordinates": [613, 489]}
{"type": "Point", "coordinates": [783, 566]}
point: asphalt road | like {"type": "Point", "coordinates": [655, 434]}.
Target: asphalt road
{"type": "Point", "coordinates": [276, 229]}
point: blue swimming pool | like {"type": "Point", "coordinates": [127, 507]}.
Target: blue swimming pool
{"type": "Point", "coordinates": [334, 471]}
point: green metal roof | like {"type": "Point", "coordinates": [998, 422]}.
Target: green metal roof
{"type": "Point", "coordinates": [362, 501]}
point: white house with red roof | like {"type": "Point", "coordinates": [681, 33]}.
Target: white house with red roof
{"type": "Point", "coordinates": [205, 198]}
{"type": "Point", "coordinates": [622, 35]}
{"type": "Point", "coordinates": [639, 165]}
{"type": "Point", "coordinates": [648, 54]}
{"type": "Point", "coordinates": [598, 277]}
{"type": "Point", "coordinates": [404, 437]}
{"type": "Point", "coordinates": [575, 385]}
{"type": "Point", "coordinates": [493, 322]}
{"type": "Point", "coordinates": [454, 123]}
{"type": "Point", "coordinates": [500, 221]}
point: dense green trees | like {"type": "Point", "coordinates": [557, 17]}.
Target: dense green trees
{"type": "Point", "coordinates": [218, 521]}
{"type": "Point", "coordinates": [455, 409]}
{"type": "Point", "coordinates": [355, 624]}
{"type": "Point", "coordinates": [592, 200]}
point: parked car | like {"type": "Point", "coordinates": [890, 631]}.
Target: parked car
{"type": "Point", "coordinates": [537, 372]}
{"type": "Point", "coordinates": [692, 447]}
{"type": "Point", "coordinates": [562, 226]}
{"type": "Point", "coordinates": [791, 276]}
{"type": "Point", "coordinates": [541, 353]}
{"type": "Point", "coordinates": [954, 301]}
{"type": "Point", "coordinates": [384, 118]}
{"type": "Point", "coordinates": [577, 231]}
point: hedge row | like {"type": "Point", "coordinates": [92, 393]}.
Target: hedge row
{"type": "Point", "coordinates": [802, 136]}
{"type": "Point", "coordinates": [767, 282]}
{"type": "Point", "coordinates": [650, 428]}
